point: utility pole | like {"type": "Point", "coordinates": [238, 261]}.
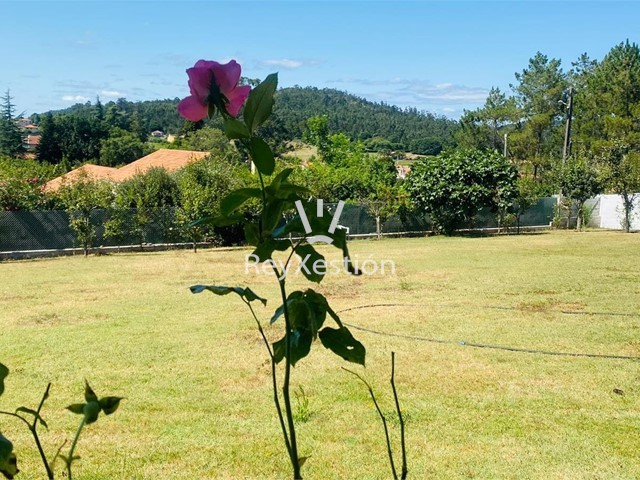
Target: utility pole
{"type": "Point", "coordinates": [566, 150]}
{"type": "Point", "coordinates": [505, 146]}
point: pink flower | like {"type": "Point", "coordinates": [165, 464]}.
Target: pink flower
{"type": "Point", "coordinates": [230, 95]}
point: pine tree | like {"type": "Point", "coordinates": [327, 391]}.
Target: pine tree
{"type": "Point", "coordinates": [10, 134]}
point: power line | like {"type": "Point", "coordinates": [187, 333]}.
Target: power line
{"type": "Point", "coordinates": [464, 343]}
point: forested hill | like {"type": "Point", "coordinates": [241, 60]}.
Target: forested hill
{"type": "Point", "coordinates": [378, 125]}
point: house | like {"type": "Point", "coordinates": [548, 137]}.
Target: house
{"type": "Point", "coordinates": [157, 134]}
{"type": "Point", "coordinates": [31, 142]}
{"type": "Point", "coordinates": [94, 172]}
{"type": "Point", "coordinates": [170, 160]}
{"type": "Point", "coordinates": [403, 170]}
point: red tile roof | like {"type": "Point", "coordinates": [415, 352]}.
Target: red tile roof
{"type": "Point", "coordinates": [170, 160]}
{"type": "Point", "coordinates": [94, 172]}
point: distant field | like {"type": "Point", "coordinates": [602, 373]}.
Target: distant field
{"type": "Point", "coordinates": [197, 382]}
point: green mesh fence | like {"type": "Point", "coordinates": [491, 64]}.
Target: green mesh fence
{"type": "Point", "coordinates": [49, 230]}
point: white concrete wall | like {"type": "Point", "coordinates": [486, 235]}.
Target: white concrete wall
{"type": "Point", "coordinates": [611, 212]}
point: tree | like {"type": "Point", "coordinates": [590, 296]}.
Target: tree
{"type": "Point", "coordinates": [483, 128]}
{"type": "Point", "coordinates": [528, 195]}
{"type": "Point", "coordinates": [80, 199]}
{"type": "Point", "coordinates": [615, 89]}
{"type": "Point", "coordinates": [21, 184]}
{"type": "Point", "coordinates": [10, 134]}
{"type": "Point", "coordinates": [622, 175]}
{"type": "Point", "coordinates": [540, 93]}
{"type": "Point", "coordinates": [202, 185]}
{"type": "Point", "coordinates": [50, 147]}
{"type": "Point", "coordinates": [579, 182]}
{"type": "Point", "coordinates": [146, 203]}
{"type": "Point", "coordinates": [317, 134]}
{"type": "Point", "coordinates": [120, 149]}
{"type": "Point", "coordinates": [385, 202]}
{"type": "Point", "coordinates": [452, 187]}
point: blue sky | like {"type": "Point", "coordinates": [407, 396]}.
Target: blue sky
{"type": "Point", "coordinates": [436, 56]}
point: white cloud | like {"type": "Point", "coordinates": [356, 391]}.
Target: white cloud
{"type": "Point", "coordinates": [74, 98]}
{"type": "Point", "coordinates": [288, 63]}
{"type": "Point", "coordinates": [111, 93]}
{"type": "Point", "coordinates": [447, 93]}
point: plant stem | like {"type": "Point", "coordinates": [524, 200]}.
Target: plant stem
{"type": "Point", "coordinates": [274, 378]}
{"type": "Point", "coordinates": [69, 459]}
{"type": "Point", "coordinates": [403, 474]}
{"type": "Point", "coordinates": [34, 432]}
{"type": "Point", "coordinates": [384, 422]}
{"type": "Point", "coordinates": [295, 463]}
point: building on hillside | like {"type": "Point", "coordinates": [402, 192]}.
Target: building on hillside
{"type": "Point", "coordinates": [403, 170]}
{"type": "Point", "coordinates": [157, 134]}
{"type": "Point", "coordinates": [31, 142]}
{"type": "Point", "coordinates": [170, 160]}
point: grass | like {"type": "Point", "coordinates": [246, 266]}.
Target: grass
{"type": "Point", "coordinates": [196, 376]}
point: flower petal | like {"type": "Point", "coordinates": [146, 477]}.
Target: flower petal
{"type": "Point", "coordinates": [200, 82]}
{"type": "Point", "coordinates": [227, 76]}
{"type": "Point", "coordinates": [236, 98]}
{"type": "Point", "coordinates": [206, 64]}
{"type": "Point", "coordinates": [192, 109]}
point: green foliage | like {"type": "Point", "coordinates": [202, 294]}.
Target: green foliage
{"type": "Point", "coordinates": [10, 134]}
{"type": "Point", "coordinates": [212, 140]}
{"type": "Point", "coordinates": [302, 412]}
{"type": "Point", "coordinates": [202, 186]}
{"type": "Point", "coordinates": [347, 172]}
{"type": "Point", "coordinates": [21, 184]}
{"type": "Point", "coordinates": [32, 418]}
{"type": "Point", "coordinates": [485, 127]}
{"type": "Point", "coordinates": [144, 200]}
{"type": "Point", "coordinates": [120, 149]}
{"type": "Point", "coordinates": [452, 187]}
{"type": "Point", "coordinates": [579, 181]}
{"type": "Point", "coordinates": [80, 198]}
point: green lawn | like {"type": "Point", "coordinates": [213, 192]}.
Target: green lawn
{"type": "Point", "coordinates": [197, 383]}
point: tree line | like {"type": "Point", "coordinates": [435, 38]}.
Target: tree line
{"type": "Point", "coordinates": [600, 99]}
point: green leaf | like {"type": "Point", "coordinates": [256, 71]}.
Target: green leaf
{"type": "Point", "coordinates": [267, 246]}
{"type": "Point", "coordinates": [235, 129]}
{"type": "Point", "coordinates": [236, 199]}
{"type": "Point", "coordinates": [291, 192]}
{"type": "Point", "coordinates": [91, 411]}
{"type": "Point", "coordinates": [252, 233]}
{"type": "Point", "coordinates": [341, 342]}
{"type": "Point", "coordinates": [77, 408]}
{"type": "Point", "coordinates": [293, 296]}
{"type": "Point", "coordinates": [29, 411]}
{"type": "Point", "coordinates": [262, 156]}
{"type": "Point", "coordinates": [89, 394]}
{"type": "Point", "coordinates": [4, 371]}
{"type": "Point", "coordinates": [245, 293]}
{"type": "Point", "coordinates": [109, 404]}
{"type": "Point", "coordinates": [280, 178]}
{"type": "Point", "coordinates": [300, 346]}
{"type": "Point", "coordinates": [313, 265]}
{"type": "Point", "coordinates": [272, 214]}
{"type": "Point", "coordinates": [260, 103]}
